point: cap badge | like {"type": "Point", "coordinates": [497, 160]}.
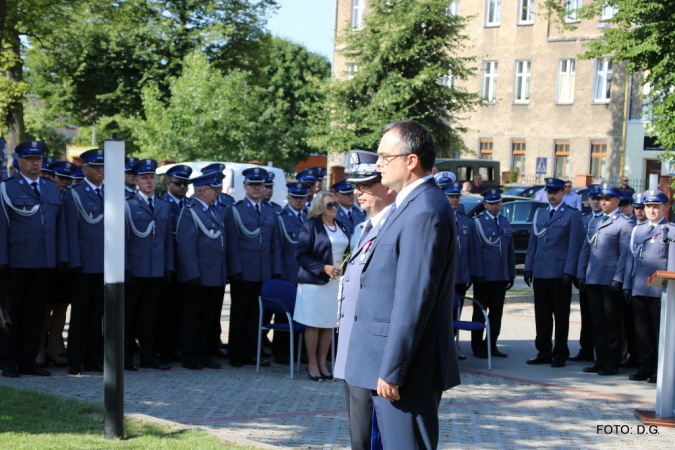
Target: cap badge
{"type": "Point", "coordinates": [33, 144]}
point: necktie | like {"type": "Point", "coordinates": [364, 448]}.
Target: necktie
{"type": "Point", "coordinates": [349, 214]}
{"type": "Point", "coordinates": [551, 214]}
{"type": "Point", "coordinates": [152, 208]}
{"type": "Point", "coordinates": [497, 223]}
{"type": "Point", "coordinates": [180, 203]}
{"type": "Point", "coordinates": [35, 188]}
{"type": "Point", "coordinates": [98, 192]}
{"type": "Point", "coordinates": [366, 230]}
{"type": "Point", "coordinates": [300, 217]}
{"type": "Point", "coordinates": [651, 227]}
{"type": "Point", "coordinates": [604, 218]}
{"type": "Point", "coordinates": [257, 208]}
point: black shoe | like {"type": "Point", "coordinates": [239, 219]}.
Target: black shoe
{"type": "Point", "coordinates": [10, 372]}
{"type": "Point", "coordinates": [652, 379]}
{"type": "Point", "coordinates": [93, 368]}
{"type": "Point", "coordinates": [608, 372]}
{"type": "Point", "coordinates": [74, 370]}
{"type": "Point", "coordinates": [595, 368]}
{"type": "Point", "coordinates": [326, 377]}
{"type": "Point", "coordinates": [580, 357]}
{"type": "Point", "coordinates": [35, 371]}
{"type": "Point", "coordinates": [283, 360]}
{"type": "Point", "coordinates": [155, 365]}
{"type": "Point", "coordinates": [211, 365]}
{"type": "Point", "coordinates": [236, 363]}
{"type": "Point", "coordinates": [461, 357]}
{"type": "Point", "coordinates": [629, 363]}
{"type": "Point", "coordinates": [640, 376]}
{"type": "Point", "coordinates": [539, 360]}
{"type": "Point", "coordinates": [192, 366]}
{"type": "Point", "coordinates": [219, 354]}
{"type": "Point", "coordinates": [55, 362]}
{"type": "Point", "coordinates": [499, 354]}
{"type": "Point", "coordinates": [319, 378]}
{"type": "Point", "coordinates": [130, 367]}
{"type": "Point", "coordinates": [42, 365]}
{"type": "Point", "coordinates": [481, 354]}
{"type": "Point", "coordinates": [558, 364]}
{"type": "Point", "coordinates": [254, 362]}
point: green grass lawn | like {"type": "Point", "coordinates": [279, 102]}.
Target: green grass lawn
{"type": "Point", "coordinates": [30, 420]}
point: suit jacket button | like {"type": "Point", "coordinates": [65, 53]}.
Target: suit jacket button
{"type": "Point", "coordinates": [346, 279]}
{"type": "Point", "coordinates": [360, 286]}
{"type": "Point", "coordinates": [355, 318]}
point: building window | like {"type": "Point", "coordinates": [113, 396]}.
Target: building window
{"type": "Point", "coordinates": [526, 12]}
{"type": "Point", "coordinates": [603, 80]}
{"type": "Point", "coordinates": [572, 10]}
{"type": "Point", "coordinates": [566, 81]}
{"type": "Point", "coordinates": [518, 163]}
{"type": "Point", "coordinates": [351, 70]}
{"type": "Point", "coordinates": [608, 11]}
{"type": "Point", "coordinates": [493, 13]}
{"type": "Point", "coordinates": [562, 159]}
{"type": "Point", "coordinates": [599, 159]}
{"type": "Point", "coordinates": [453, 8]}
{"type": "Point", "coordinates": [485, 149]}
{"type": "Point", "coordinates": [358, 8]}
{"type": "Point", "coordinates": [490, 81]}
{"type": "Point", "coordinates": [447, 80]}
{"type": "Point", "coordinates": [522, 90]}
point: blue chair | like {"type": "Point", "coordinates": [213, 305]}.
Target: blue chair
{"type": "Point", "coordinates": [278, 297]}
{"type": "Point", "coordinates": [473, 326]}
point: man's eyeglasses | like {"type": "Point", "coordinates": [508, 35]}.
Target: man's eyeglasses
{"type": "Point", "coordinates": [387, 159]}
{"type": "Point", "coordinates": [180, 183]}
{"type": "Point", "coordinates": [568, 186]}
{"type": "Point", "coordinates": [361, 186]}
{"type": "Point", "coordinates": [331, 205]}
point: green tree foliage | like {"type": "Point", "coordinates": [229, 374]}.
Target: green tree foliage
{"type": "Point", "coordinates": [641, 33]}
{"type": "Point", "coordinates": [105, 127]}
{"type": "Point", "coordinates": [41, 127]}
{"type": "Point", "coordinates": [402, 52]}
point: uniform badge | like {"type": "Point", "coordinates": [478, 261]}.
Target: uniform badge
{"type": "Point", "coordinates": [33, 144]}
{"type": "Point", "coordinates": [90, 215]}
{"type": "Point", "coordinates": [20, 181]}
{"type": "Point", "coordinates": [86, 188]}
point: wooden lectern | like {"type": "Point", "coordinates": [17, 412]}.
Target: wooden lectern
{"type": "Point", "coordinates": [664, 415]}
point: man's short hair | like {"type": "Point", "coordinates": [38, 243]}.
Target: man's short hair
{"type": "Point", "coordinates": [416, 140]}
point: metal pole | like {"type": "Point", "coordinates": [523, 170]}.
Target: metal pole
{"type": "Point", "coordinates": [113, 224]}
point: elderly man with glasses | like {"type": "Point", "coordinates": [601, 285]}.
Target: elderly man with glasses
{"type": "Point", "coordinates": [571, 198]}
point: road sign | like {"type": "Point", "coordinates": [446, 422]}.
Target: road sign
{"type": "Point", "coordinates": [541, 166]}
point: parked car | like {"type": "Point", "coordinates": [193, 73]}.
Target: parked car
{"type": "Point", "coordinates": [465, 169]}
{"type": "Point", "coordinates": [518, 210]}
{"type": "Point", "coordinates": [522, 190]}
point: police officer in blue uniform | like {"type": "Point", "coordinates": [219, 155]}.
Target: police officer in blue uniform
{"type": "Point", "coordinates": [493, 268]}
{"type": "Point", "coordinates": [586, 335]}
{"type": "Point", "coordinates": [32, 241]}
{"type": "Point", "coordinates": [78, 175]}
{"type": "Point", "coordinates": [311, 178]}
{"type": "Point", "coordinates": [602, 266]}
{"type": "Point", "coordinates": [320, 176]}
{"type": "Point", "coordinates": [223, 200]}
{"type": "Point", "coordinates": [46, 171]}
{"type": "Point", "coordinates": [550, 267]}
{"type": "Point", "coordinates": [129, 178]}
{"type": "Point", "coordinates": [150, 262]}
{"type": "Point", "coordinates": [254, 255]}
{"type": "Point", "coordinates": [83, 206]}
{"type": "Point", "coordinates": [167, 336]}
{"type": "Point", "coordinates": [268, 192]}
{"type": "Point", "coordinates": [348, 214]}
{"type": "Point", "coordinates": [626, 205]}
{"type": "Point", "coordinates": [62, 174]}
{"type": "Point", "coordinates": [201, 240]}
{"type": "Point", "coordinates": [629, 344]}
{"type": "Point", "coordinates": [444, 179]}
{"type": "Point", "coordinates": [639, 208]}
{"type": "Point", "coordinates": [652, 249]}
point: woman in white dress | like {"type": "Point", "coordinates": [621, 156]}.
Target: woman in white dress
{"type": "Point", "coordinates": [322, 245]}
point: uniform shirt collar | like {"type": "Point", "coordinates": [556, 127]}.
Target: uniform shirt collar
{"type": "Point", "coordinates": [174, 198]}
{"type": "Point", "coordinates": [29, 181]}
{"type": "Point", "coordinates": [144, 197]}
{"type": "Point", "coordinates": [91, 185]}
{"type": "Point", "coordinates": [491, 216]}
{"type": "Point", "coordinates": [409, 188]}
{"type": "Point", "coordinates": [252, 201]}
{"type": "Point", "coordinates": [345, 210]}
{"type": "Point", "coordinates": [206, 207]}
{"type": "Point", "coordinates": [382, 216]}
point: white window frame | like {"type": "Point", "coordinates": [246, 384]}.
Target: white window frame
{"type": "Point", "coordinates": [453, 8]}
{"type": "Point", "coordinates": [493, 13]}
{"type": "Point", "coordinates": [566, 80]}
{"type": "Point", "coordinates": [521, 90]}
{"type": "Point", "coordinates": [351, 69]}
{"type": "Point", "coordinates": [358, 10]}
{"type": "Point", "coordinates": [489, 85]}
{"type": "Point", "coordinates": [602, 80]}
{"type": "Point", "coordinates": [572, 11]}
{"type": "Point", "coordinates": [607, 12]}
{"type": "Point", "coordinates": [526, 12]}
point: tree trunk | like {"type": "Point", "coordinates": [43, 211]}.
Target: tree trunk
{"type": "Point", "coordinates": [16, 131]}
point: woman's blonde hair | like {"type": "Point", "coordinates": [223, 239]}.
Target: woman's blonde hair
{"type": "Point", "coordinates": [317, 208]}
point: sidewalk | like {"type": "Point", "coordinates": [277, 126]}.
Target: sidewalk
{"type": "Point", "coordinates": [514, 406]}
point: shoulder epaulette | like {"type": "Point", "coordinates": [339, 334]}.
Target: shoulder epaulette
{"type": "Point", "coordinates": [163, 199]}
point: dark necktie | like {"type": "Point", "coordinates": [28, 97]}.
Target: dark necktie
{"type": "Point", "coordinates": [257, 208]}
{"type": "Point", "coordinates": [349, 214]}
{"type": "Point", "coordinates": [98, 192]}
{"type": "Point", "coordinates": [366, 230]}
{"type": "Point", "coordinates": [300, 217]}
{"type": "Point", "coordinates": [180, 203]}
{"type": "Point", "coordinates": [551, 214]}
{"type": "Point", "coordinates": [651, 227]}
{"type": "Point", "coordinates": [152, 208]}
{"type": "Point", "coordinates": [496, 223]}
{"type": "Point", "coordinates": [604, 218]}
{"type": "Point", "coordinates": [35, 188]}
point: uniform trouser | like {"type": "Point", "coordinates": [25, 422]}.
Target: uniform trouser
{"type": "Point", "coordinates": [243, 336]}
{"type": "Point", "coordinates": [85, 332]}
{"type": "Point", "coordinates": [491, 294]}
{"type": "Point", "coordinates": [167, 329]}
{"type": "Point", "coordinates": [200, 305]}
{"type": "Point", "coordinates": [586, 333]}
{"type": "Point", "coordinates": [629, 344]}
{"type": "Point", "coordinates": [410, 423]}
{"type": "Point", "coordinates": [22, 315]}
{"type": "Point", "coordinates": [360, 413]}
{"type": "Point", "coordinates": [552, 300]}
{"type": "Point", "coordinates": [605, 308]}
{"type": "Point", "coordinates": [647, 315]}
{"type": "Point", "coordinates": [214, 328]}
{"type": "Point", "coordinates": [141, 303]}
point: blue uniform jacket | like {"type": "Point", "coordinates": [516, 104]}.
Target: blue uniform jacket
{"type": "Point", "coordinates": [358, 216]}
{"type": "Point", "coordinates": [555, 251]}
{"type": "Point", "coordinates": [603, 255]}
{"type": "Point", "coordinates": [151, 256]}
{"type": "Point", "coordinates": [290, 231]}
{"type": "Point", "coordinates": [200, 255]}
{"type": "Point", "coordinates": [258, 257]}
{"type": "Point", "coordinates": [463, 271]}
{"type": "Point", "coordinates": [275, 206]}
{"type": "Point", "coordinates": [494, 262]}
{"type": "Point", "coordinates": [649, 252]}
{"type": "Point", "coordinates": [38, 241]}
{"type": "Point", "coordinates": [314, 251]}
{"type": "Point", "coordinates": [85, 239]}
{"type": "Point", "coordinates": [402, 330]}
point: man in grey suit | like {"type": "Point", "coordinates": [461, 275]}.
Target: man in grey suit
{"type": "Point", "coordinates": [651, 250]}
{"type": "Point", "coordinates": [376, 200]}
{"type": "Point", "coordinates": [401, 345]}
{"type": "Point", "coordinates": [602, 265]}
{"type": "Point", "coordinates": [552, 257]}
